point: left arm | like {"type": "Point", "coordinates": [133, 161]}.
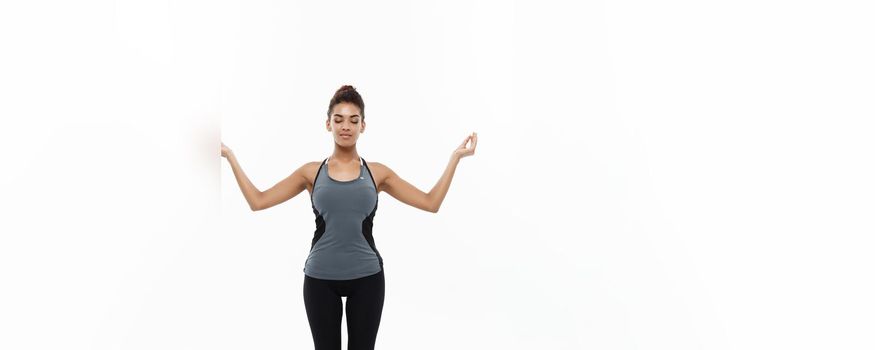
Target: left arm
{"type": "Point", "coordinates": [395, 186]}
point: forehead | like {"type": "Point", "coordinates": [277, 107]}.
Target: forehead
{"type": "Point", "coordinates": [345, 109]}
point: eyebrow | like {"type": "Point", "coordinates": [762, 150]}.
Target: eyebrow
{"type": "Point", "coordinates": [339, 115]}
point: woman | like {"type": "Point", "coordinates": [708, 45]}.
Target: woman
{"type": "Point", "coordinates": [343, 259]}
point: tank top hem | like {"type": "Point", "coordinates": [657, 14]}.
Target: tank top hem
{"type": "Point", "coordinates": [341, 278]}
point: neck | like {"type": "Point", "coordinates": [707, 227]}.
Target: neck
{"type": "Point", "coordinates": [345, 154]}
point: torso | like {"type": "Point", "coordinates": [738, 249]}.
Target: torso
{"type": "Point", "coordinates": [343, 246]}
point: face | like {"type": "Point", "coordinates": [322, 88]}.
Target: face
{"type": "Point", "coordinates": [345, 119]}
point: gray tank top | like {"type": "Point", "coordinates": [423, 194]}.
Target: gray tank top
{"type": "Point", "coordinates": [343, 247]}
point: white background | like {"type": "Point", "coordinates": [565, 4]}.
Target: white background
{"type": "Point", "coordinates": [649, 175]}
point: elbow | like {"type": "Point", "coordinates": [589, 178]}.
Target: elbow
{"type": "Point", "coordinates": [255, 203]}
{"type": "Point", "coordinates": [255, 206]}
{"type": "Point", "coordinates": [431, 205]}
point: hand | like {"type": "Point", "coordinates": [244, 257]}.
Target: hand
{"type": "Point", "coordinates": [225, 150]}
{"type": "Point", "coordinates": [463, 150]}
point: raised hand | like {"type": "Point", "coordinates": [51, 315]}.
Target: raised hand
{"type": "Point", "coordinates": [225, 150]}
{"type": "Point", "coordinates": [463, 150]}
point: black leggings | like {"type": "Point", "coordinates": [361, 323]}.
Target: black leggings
{"type": "Point", "coordinates": [364, 307]}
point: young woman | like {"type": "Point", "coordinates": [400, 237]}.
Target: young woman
{"type": "Point", "coordinates": [343, 259]}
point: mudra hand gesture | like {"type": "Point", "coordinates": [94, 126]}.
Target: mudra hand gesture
{"type": "Point", "coordinates": [225, 150]}
{"type": "Point", "coordinates": [463, 150]}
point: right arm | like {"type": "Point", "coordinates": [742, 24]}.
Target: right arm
{"type": "Point", "coordinates": [284, 190]}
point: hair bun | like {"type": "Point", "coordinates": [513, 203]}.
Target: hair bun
{"type": "Point", "coordinates": [347, 93]}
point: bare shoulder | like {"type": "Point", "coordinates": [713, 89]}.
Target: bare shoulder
{"type": "Point", "coordinates": [379, 167]}
{"type": "Point", "coordinates": [376, 165]}
{"type": "Point", "coordinates": [310, 165]}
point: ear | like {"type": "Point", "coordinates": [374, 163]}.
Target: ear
{"type": "Point", "coordinates": [328, 124]}
{"type": "Point", "coordinates": [363, 125]}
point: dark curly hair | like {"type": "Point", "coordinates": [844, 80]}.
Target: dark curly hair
{"type": "Point", "coordinates": [347, 93]}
